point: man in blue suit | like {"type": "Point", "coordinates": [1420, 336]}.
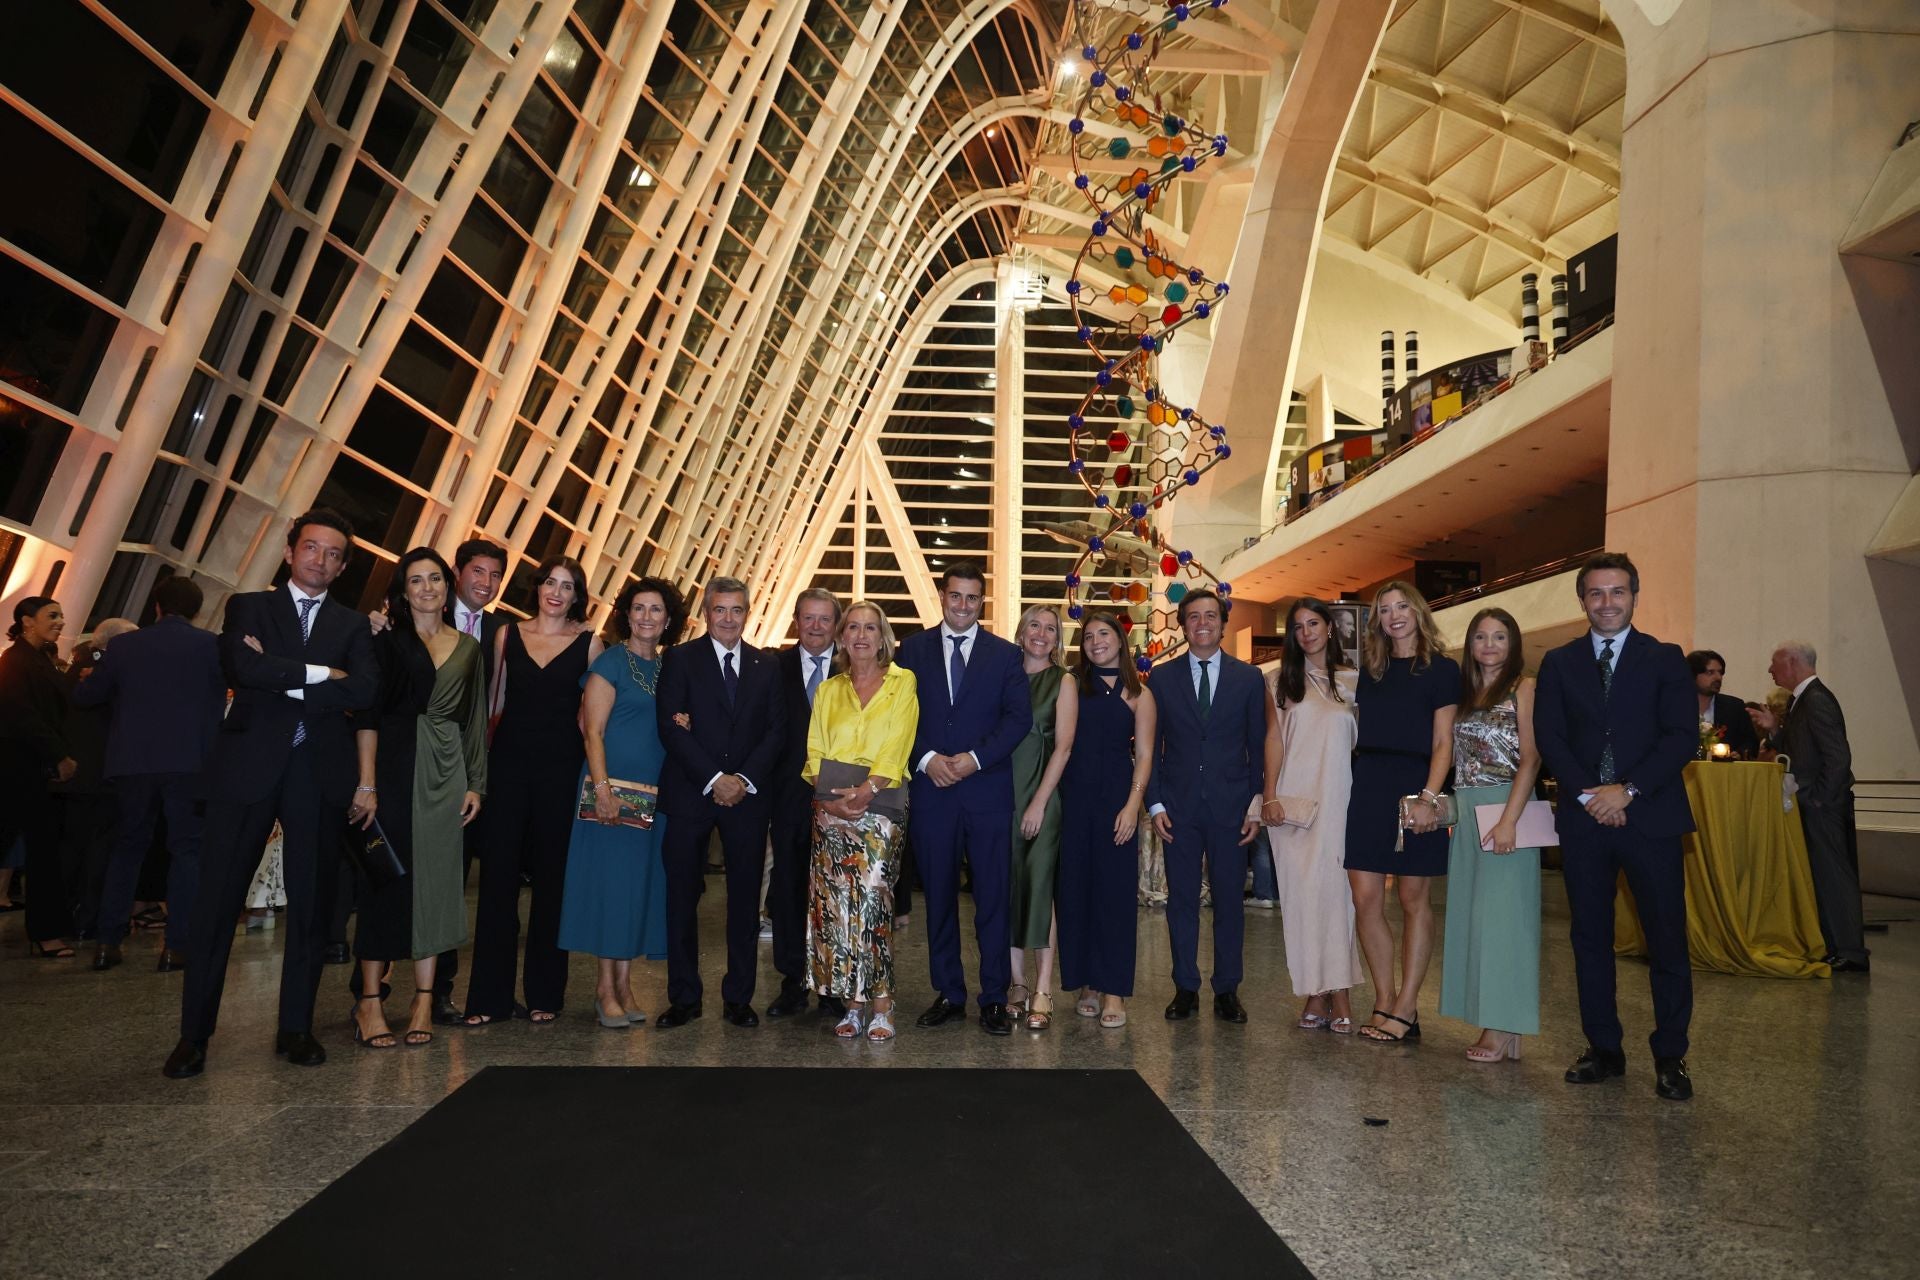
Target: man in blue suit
{"type": "Point", "coordinates": [1208, 767]}
{"type": "Point", "coordinates": [167, 693]}
{"type": "Point", "coordinates": [974, 709]}
{"type": "Point", "coordinates": [1616, 719]}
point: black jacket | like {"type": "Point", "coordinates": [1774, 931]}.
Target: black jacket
{"type": "Point", "coordinates": [1815, 737]}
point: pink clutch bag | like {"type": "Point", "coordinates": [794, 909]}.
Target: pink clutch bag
{"type": "Point", "coordinates": [1536, 829]}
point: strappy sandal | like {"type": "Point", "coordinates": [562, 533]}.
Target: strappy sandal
{"type": "Point", "coordinates": [848, 1028]}
{"type": "Point", "coordinates": [374, 1041]}
{"type": "Point", "coordinates": [1309, 1020]}
{"type": "Point", "coordinates": [1341, 1026]}
{"type": "Point", "coordinates": [880, 1030]}
{"type": "Point", "coordinates": [57, 951]}
{"type": "Point", "coordinates": [1040, 1012]}
{"type": "Point", "coordinates": [1114, 1019]}
{"type": "Point", "coordinates": [1017, 1005]}
{"type": "Point", "coordinates": [541, 1017]}
{"type": "Point", "coordinates": [415, 1037]}
{"type": "Point", "coordinates": [1509, 1050]}
{"type": "Point", "coordinates": [1381, 1035]}
{"type": "Point", "coordinates": [1088, 1006]}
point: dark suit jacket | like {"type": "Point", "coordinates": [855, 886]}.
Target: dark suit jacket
{"type": "Point", "coordinates": [255, 740]}
{"type": "Point", "coordinates": [1731, 714]}
{"type": "Point", "coordinates": [33, 712]}
{"type": "Point", "coordinates": [792, 794]}
{"type": "Point", "coordinates": [166, 692]}
{"type": "Point", "coordinates": [745, 738]}
{"type": "Point", "coordinates": [994, 713]}
{"type": "Point", "coordinates": [1815, 737]}
{"type": "Point", "coordinates": [1207, 770]}
{"type": "Point", "coordinates": [1652, 720]}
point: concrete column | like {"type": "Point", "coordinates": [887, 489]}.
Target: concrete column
{"type": "Point", "coordinates": [1009, 461]}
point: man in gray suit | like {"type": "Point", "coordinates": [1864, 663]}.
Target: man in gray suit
{"type": "Point", "coordinates": [1814, 737]}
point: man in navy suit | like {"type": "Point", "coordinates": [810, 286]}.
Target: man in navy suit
{"type": "Point", "coordinates": [974, 709]}
{"type": "Point", "coordinates": [803, 669]}
{"type": "Point", "coordinates": [1617, 719]}
{"type": "Point", "coordinates": [1209, 764]}
{"type": "Point", "coordinates": [723, 720]}
{"type": "Point", "coordinates": [299, 663]}
{"type": "Point", "coordinates": [166, 693]}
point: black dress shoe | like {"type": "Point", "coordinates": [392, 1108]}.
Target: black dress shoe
{"type": "Point", "coordinates": [186, 1061]}
{"type": "Point", "coordinates": [171, 962]}
{"type": "Point", "coordinates": [1596, 1065]}
{"type": "Point", "coordinates": [941, 1012]}
{"type": "Point", "coordinates": [739, 1015]}
{"type": "Point", "coordinates": [1226, 1007]}
{"type": "Point", "coordinates": [833, 1007]}
{"type": "Point", "coordinates": [445, 1012]}
{"type": "Point", "coordinates": [299, 1048]}
{"type": "Point", "coordinates": [678, 1015]}
{"type": "Point", "coordinates": [1670, 1079]}
{"type": "Point", "coordinates": [995, 1020]}
{"type": "Point", "coordinates": [337, 953]}
{"type": "Point", "coordinates": [106, 956]}
{"type": "Point", "coordinates": [1836, 964]}
{"type": "Point", "coordinates": [1183, 1005]}
{"type": "Point", "coordinates": [791, 1000]}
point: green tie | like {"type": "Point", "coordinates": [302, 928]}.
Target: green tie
{"type": "Point", "coordinates": [1206, 689]}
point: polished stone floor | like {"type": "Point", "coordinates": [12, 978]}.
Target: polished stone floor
{"type": "Point", "coordinates": [1800, 1156]}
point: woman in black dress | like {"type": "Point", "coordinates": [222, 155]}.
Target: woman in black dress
{"type": "Point", "coordinates": [533, 773]}
{"type": "Point", "coordinates": [33, 752]}
{"type": "Point", "coordinates": [1406, 695]}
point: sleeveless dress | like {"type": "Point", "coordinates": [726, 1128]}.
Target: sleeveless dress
{"type": "Point", "coordinates": [615, 903]}
{"type": "Point", "coordinates": [1393, 753]}
{"type": "Point", "coordinates": [1490, 963]}
{"type": "Point", "coordinates": [1035, 861]}
{"type": "Point", "coordinates": [1316, 904]}
{"type": "Point", "coordinates": [1096, 900]}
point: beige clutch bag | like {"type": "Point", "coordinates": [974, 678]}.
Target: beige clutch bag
{"type": "Point", "coordinates": [1300, 811]}
{"type": "Point", "coordinates": [1444, 805]}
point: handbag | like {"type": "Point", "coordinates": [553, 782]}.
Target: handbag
{"type": "Point", "coordinates": [1300, 811]}
{"type": "Point", "coordinates": [837, 775]}
{"type": "Point", "coordinates": [376, 857]}
{"type": "Point", "coordinates": [1442, 804]}
{"type": "Point", "coordinates": [1535, 829]}
{"type": "Point", "coordinates": [637, 801]}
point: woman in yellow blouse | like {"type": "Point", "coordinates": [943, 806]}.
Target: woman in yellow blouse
{"type": "Point", "coordinates": [864, 716]}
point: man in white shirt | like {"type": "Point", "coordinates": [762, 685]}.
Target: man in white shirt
{"type": "Point", "coordinates": [1814, 738]}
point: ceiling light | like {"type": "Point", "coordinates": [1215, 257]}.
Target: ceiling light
{"type": "Point", "coordinates": [1069, 67]}
{"type": "Point", "coordinates": [991, 131]}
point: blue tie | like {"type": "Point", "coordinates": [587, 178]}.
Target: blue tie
{"type": "Point", "coordinates": [813, 680]}
{"type": "Point", "coordinates": [307, 606]}
{"type": "Point", "coordinates": [957, 668]}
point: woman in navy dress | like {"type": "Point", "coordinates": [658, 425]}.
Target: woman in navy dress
{"type": "Point", "coordinates": [1406, 695]}
{"type": "Point", "coordinates": [615, 905]}
{"type": "Point", "coordinates": [1095, 900]}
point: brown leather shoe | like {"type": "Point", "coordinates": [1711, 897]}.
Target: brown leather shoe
{"type": "Point", "coordinates": [171, 962]}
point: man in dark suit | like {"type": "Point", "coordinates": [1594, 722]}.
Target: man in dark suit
{"type": "Point", "coordinates": [974, 709]}
{"type": "Point", "coordinates": [166, 692]}
{"type": "Point", "coordinates": [1814, 738]}
{"type": "Point", "coordinates": [1722, 711]}
{"type": "Point", "coordinates": [1208, 767]}
{"type": "Point", "coordinates": [723, 720]}
{"type": "Point", "coordinates": [300, 664]}
{"type": "Point", "coordinates": [1616, 721]}
{"type": "Point", "coordinates": [803, 668]}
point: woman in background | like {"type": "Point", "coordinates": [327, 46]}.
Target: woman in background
{"type": "Point", "coordinates": [1490, 973]}
{"type": "Point", "coordinates": [1038, 761]}
{"type": "Point", "coordinates": [34, 751]}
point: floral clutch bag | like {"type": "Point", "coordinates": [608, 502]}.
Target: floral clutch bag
{"type": "Point", "coordinates": [636, 800]}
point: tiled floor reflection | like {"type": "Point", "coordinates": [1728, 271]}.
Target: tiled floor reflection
{"type": "Point", "coordinates": [1799, 1157]}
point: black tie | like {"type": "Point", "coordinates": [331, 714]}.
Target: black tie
{"type": "Point", "coordinates": [1606, 691]}
{"type": "Point", "coordinates": [1205, 692]}
{"type": "Point", "coordinates": [729, 677]}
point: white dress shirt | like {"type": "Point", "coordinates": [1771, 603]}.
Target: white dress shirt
{"type": "Point", "coordinates": [468, 621]}
{"type": "Point", "coordinates": [967, 638]}
{"type": "Point", "coordinates": [720, 655]}
{"type": "Point", "coordinates": [807, 661]}
{"type": "Point", "coordinates": [315, 675]}
{"type": "Point", "coordinates": [1619, 644]}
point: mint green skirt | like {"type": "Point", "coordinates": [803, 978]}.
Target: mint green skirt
{"type": "Point", "coordinates": [1490, 962]}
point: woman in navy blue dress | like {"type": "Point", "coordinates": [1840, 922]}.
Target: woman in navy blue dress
{"type": "Point", "coordinates": [1406, 696]}
{"type": "Point", "coordinates": [1095, 901]}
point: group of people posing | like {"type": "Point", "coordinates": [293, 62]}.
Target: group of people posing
{"type": "Point", "coordinates": [595, 771]}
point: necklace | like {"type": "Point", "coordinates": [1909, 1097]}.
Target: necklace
{"type": "Point", "coordinates": [647, 680]}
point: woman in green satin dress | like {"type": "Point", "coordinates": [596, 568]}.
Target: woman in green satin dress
{"type": "Point", "coordinates": [1038, 762]}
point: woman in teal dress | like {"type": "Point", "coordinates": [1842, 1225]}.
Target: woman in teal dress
{"type": "Point", "coordinates": [1490, 970]}
{"type": "Point", "coordinates": [614, 905]}
{"type": "Point", "coordinates": [423, 749]}
{"type": "Point", "coordinates": [1038, 761]}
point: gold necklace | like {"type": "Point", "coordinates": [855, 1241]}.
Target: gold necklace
{"type": "Point", "coordinates": [647, 680]}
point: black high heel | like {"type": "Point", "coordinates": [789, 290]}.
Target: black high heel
{"type": "Point", "coordinates": [373, 1041]}
{"type": "Point", "coordinates": [426, 1036]}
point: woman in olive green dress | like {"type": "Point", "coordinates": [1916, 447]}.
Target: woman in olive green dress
{"type": "Point", "coordinates": [1037, 764]}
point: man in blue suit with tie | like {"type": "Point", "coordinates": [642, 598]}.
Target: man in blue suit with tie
{"type": "Point", "coordinates": [974, 709]}
{"type": "Point", "coordinates": [167, 692]}
{"type": "Point", "coordinates": [1209, 761]}
{"type": "Point", "coordinates": [1616, 719]}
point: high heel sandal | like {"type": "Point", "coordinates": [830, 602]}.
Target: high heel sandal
{"type": "Point", "coordinates": [57, 951]}
{"type": "Point", "coordinates": [1040, 1011]}
{"type": "Point", "coordinates": [1309, 1020]}
{"type": "Point", "coordinates": [373, 1041]}
{"type": "Point", "coordinates": [1383, 1036]}
{"type": "Point", "coordinates": [1510, 1051]}
{"type": "Point", "coordinates": [424, 1037]}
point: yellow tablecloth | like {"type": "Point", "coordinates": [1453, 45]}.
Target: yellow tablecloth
{"type": "Point", "coordinates": [1750, 907]}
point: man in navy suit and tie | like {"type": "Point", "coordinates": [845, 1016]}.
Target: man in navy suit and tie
{"type": "Point", "coordinates": [300, 663]}
{"type": "Point", "coordinates": [167, 692]}
{"type": "Point", "coordinates": [1209, 764]}
{"type": "Point", "coordinates": [1616, 718]}
{"type": "Point", "coordinates": [723, 720]}
{"type": "Point", "coordinates": [974, 709]}
{"type": "Point", "coordinates": [803, 668]}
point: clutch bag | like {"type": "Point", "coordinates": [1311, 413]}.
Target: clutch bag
{"type": "Point", "coordinates": [1444, 805]}
{"type": "Point", "coordinates": [1536, 829]}
{"type": "Point", "coordinates": [837, 775]}
{"type": "Point", "coordinates": [637, 801]}
{"type": "Point", "coordinates": [1300, 811]}
{"type": "Point", "coordinates": [378, 860]}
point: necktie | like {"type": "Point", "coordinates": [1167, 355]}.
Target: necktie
{"type": "Point", "coordinates": [729, 677]}
{"type": "Point", "coordinates": [1206, 688]}
{"type": "Point", "coordinates": [957, 668]}
{"type": "Point", "coordinates": [813, 677]}
{"type": "Point", "coordinates": [307, 606]}
{"type": "Point", "coordinates": [1606, 691]}
{"type": "Point", "coordinates": [473, 624]}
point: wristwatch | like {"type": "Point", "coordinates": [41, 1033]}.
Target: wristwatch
{"type": "Point", "coordinates": [1633, 792]}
